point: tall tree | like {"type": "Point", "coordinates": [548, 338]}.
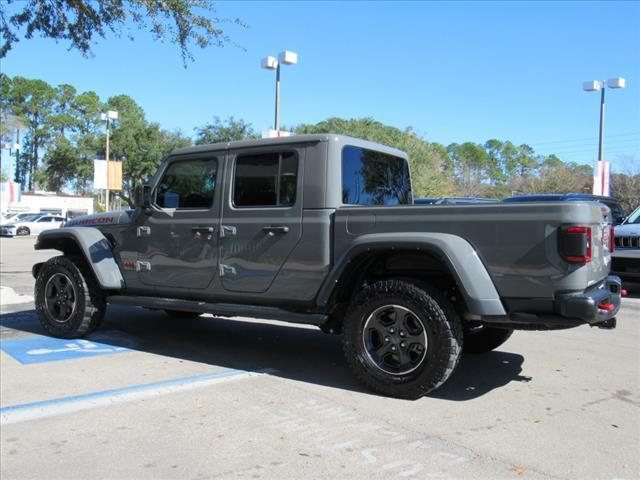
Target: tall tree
{"type": "Point", "coordinates": [139, 145]}
{"type": "Point", "coordinates": [33, 101]}
{"type": "Point", "coordinates": [471, 167]}
{"type": "Point", "coordinates": [80, 21]}
{"type": "Point", "coordinates": [224, 131]}
{"type": "Point", "coordinates": [86, 111]}
{"type": "Point", "coordinates": [426, 160]}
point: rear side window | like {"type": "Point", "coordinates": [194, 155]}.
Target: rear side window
{"type": "Point", "coordinates": [188, 184]}
{"type": "Point", "coordinates": [374, 178]}
{"type": "Point", "coordinates": [265, 180]}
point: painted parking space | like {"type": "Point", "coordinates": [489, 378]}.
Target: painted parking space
{"type": "Point", "coordinates": [58, 406]}
{"type": "Point", "coordinates": [41, 349]}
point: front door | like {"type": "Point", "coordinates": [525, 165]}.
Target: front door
{"type": "Point", "coordinates": [262, 220]}
{"type": "Point", "coordinates": [179, 237]}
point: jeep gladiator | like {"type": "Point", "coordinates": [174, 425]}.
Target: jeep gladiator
{"type": "Point", "coordinates": [322, 230]}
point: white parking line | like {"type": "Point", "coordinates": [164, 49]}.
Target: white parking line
{"type": "Point", "coordinates": [8, 296]}
{"type": "Point", "coordinates": [58, 406]}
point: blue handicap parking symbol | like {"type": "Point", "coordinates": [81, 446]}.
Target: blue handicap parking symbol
{"type": "Point", "coordinates": [47, 349]}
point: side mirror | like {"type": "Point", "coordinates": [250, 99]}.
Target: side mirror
{"type": "Point", "coordinates": [143, 196]}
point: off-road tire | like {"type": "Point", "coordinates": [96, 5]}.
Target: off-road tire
{"type": "Point", "coordinates": [484, 339]}
{"type": "Point", "coordinates": [23, 231]}
{"type": "Point", "coordinates": [89, 302]}
{"type": "Point", "coordinates": [443, 330]}
{"type": "Point", "coordinates": [182, 314]}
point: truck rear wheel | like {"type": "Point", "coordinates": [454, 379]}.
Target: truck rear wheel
{"type": "Point", "coordinates": [68, 300]}
{"type": "Point", "coordinates": [402, 340]}
{"type": "Point", "coordinates": [483, 339]}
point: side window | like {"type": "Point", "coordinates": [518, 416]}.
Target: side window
{"type": "Point", "coordinates": [370, 177]}
{"type": "Point", "coordinates": [265, 180]}
{"type": "Point", "coordinates": [45, 219]}
{"type": "Point", "coordinates": [188, 184]}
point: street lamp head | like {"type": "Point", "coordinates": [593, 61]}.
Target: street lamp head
{"type": "Point", "coordinates": [617, 82]}
{"type": "Point", "coordinates": [111, 115]}
{"type": "Point", "coordinates": [288, 58]}
{"type": "Point", "coordinates": [593, 86]}
{"type": "Point", "coordinates": [270, 63]}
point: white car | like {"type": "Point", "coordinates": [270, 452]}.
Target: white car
{"type": "Point", "coordinates": [626, 258]}
{"type": "Point", "coordinates": [14, 217]}
{"type": "Point", "coordinates": [31, 225]}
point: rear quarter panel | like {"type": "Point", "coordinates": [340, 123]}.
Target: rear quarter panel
{"type": "Point", "coordinates": [518, 243]}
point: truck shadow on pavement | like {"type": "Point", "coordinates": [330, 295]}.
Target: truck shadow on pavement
{"type": "Point", "coordinates": [300, 354]}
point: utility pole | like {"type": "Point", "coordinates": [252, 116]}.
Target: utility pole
{"type": "Point", "coordinates": [109, 115]}
{"type": "Point", "coordinates": [601, 179]}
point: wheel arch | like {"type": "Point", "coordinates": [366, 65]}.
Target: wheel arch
{"type": "Point", "coordinates": [92, 245]}
{"type": "Point", "coordinates": [420, 256]}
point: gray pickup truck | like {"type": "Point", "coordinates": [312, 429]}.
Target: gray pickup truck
{"type": "Point", "coordinates": [322, 230]}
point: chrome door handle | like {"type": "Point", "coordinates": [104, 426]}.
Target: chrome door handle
{"type": "Point", "coordinates": [227, 231]}
{"type": "Point", "coordinates": [208, 230]}
{"type": "Point", "coordinates": [271, 230]}
{"type": "Point", "coordinates": [199, 231]}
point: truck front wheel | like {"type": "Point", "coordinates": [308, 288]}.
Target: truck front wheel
{"type": "Point", "coordinates": [483, 339]}
{"type": "Point", "coordinates": [402, 340]}
{"type": "Point", "coordinates": [68, 300]}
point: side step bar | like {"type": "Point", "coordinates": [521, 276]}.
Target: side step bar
{"type": "Point", "coordinates": [221, 309]}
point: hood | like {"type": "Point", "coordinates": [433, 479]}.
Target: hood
{"type": "Point", "coordinates": [627, 230]}
{"type": "Point", "coordinates": [101, 219]}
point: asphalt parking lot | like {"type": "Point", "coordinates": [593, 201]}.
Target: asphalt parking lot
{"type": "Point", "coordinates": [148, 396]}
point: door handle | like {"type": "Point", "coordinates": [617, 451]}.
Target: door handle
{"type": "Point", "coordinates": [227, 231]}
{"type": "Point", "coordinates": [199, 231]}
{"type": "Point", "coordinates": [208, 230]}
{"type": "Point", "coordinates": [271, 230]}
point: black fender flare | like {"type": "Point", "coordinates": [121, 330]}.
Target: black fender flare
{"type": "Point", "coordinates": [471, 275]}
{"type": "Point", "coordinates": [92, 244]}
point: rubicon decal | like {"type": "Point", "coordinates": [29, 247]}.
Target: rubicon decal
{"type": "Point", "coordinates": [93, 221]}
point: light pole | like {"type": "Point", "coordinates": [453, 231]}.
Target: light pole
{"type": "Point", "coordinates": [109, 115]}
{"type": "Point", "coordinates": [271, 63]}
{"type": "Point", "coordinates": [600, 180]}
{"type": "Point", "coordinates": [594, 86]}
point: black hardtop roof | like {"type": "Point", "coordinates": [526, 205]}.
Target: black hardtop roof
{"type": "Point", "coordinates": [291, 140]}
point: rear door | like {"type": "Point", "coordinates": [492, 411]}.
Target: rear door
{"type": "Point", "coordinates": [178, 238]}
{"type": "Point", "coordinates": [262, 216]}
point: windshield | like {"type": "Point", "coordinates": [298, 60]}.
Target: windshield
{"type": "Point", "coordinates": [634, 218]}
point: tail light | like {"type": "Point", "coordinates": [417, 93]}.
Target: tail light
{"type": "Point", "coordinates": [612, 239]}
{"type": "Point", "coordinates": [575, 244]}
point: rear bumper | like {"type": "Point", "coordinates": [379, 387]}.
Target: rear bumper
{"type": "Point", "coordinates": [596, 305]}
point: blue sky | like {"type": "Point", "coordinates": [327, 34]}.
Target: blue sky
{"type": "Point", "coordinates": [454, 71]}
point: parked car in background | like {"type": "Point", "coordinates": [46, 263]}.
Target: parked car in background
{"type": "Point", "coordinates": [425, 201]}
{"type": "Point", "coordinates": [617, 212]}
{"type": "Point", "coordinates": [626, 257]}
{"type": "Point", "coordinates": [14, 217]}
{"type": "Point", "coordinates": [31, 225]}
{"type": "Point", "coordinates": [453, 201]}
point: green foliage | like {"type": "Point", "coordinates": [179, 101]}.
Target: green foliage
{"type": "Point", "coordinates": [182, 22]}
{"type": "Point", "coordinates": [64, 128]}
{"type": "Point", "coordinates": [224, 131]}
{"type": "Point", "coordinates": [140, 145]}
{"type": "Point", "coordinates": [426, 160]}
{"type": "Point", "coordinates": [32, 101]}
{"type": "Point", "coordinates": [625, 184]}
